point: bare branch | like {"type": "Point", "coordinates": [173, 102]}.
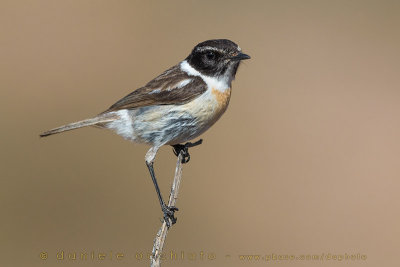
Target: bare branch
{"type": "Point", "coordinates": [159, 241]}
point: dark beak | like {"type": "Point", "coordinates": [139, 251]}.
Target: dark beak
{"type": "Point", "coordinates": [240, 56]}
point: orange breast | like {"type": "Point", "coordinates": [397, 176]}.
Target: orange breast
{"type": "Point", "coordinates": [222, 99]}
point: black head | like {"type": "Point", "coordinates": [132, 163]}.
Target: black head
{"type": "Point", "coordinates": [217, 58]}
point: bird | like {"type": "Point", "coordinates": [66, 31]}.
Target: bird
{"type": "Point", "coordinates": [175, 107]}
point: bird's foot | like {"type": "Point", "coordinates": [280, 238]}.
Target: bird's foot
{"type": "Point", "coordinates": [169, 212]}
{"type": "Point", "coordinates": [184, 149]}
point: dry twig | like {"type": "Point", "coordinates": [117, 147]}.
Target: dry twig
{"type": "Point", "coordinates": [155, 260]}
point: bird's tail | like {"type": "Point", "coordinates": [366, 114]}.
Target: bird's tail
{"type": "Point", "coordinates": [96, 121]}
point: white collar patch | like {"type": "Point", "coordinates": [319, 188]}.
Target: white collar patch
{"type": "Point", "coordinates": [212, 82]}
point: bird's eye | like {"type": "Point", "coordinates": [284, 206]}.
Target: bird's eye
{"type": "Point", "coordinates": [210, 55]}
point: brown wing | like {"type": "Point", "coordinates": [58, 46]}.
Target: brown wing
{"type": "Point", "coordinates": [171, 87]}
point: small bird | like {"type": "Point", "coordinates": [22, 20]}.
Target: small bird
{"type": "Point", "coordinates": [177, 106]}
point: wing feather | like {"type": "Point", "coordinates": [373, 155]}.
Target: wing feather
{"type": "Point", "coordinates": [171, 87]}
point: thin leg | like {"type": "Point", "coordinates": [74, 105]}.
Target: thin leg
{"type": "Point", "coordinates": [168, 211]}
{"type": "Point", "coordinates": [184, 149]}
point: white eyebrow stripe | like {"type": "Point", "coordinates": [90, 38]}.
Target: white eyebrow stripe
{"type": "Point", "coordinates": [201, 49]}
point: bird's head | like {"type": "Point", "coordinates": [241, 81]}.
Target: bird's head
{"type": "Point", "coordinates": [218, 58]}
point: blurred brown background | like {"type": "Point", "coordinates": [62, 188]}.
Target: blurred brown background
{"type": "Point", "coordinates": [304, 162]}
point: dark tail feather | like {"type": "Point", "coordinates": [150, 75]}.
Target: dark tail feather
{"type": "Point", "coordinates": [75, 125]}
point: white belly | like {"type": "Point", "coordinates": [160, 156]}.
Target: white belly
{"type": "Point", "coordinates": [172, 124]}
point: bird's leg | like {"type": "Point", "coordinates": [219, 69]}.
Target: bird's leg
{"type": "Point", "coordinates": [168, 211]}
{"type": "Point", "coordinates": [185, 149]}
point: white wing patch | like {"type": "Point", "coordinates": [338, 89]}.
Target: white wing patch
{"type": "Point", "coordinates": [183, 83]}
{"type": "Point", "coordinates": [155, 91]}
{"type": "Point", "coordinates": [170, 88]}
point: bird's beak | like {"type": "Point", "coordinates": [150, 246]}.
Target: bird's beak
{"type": "Point", "coordinates": [240, 56]}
